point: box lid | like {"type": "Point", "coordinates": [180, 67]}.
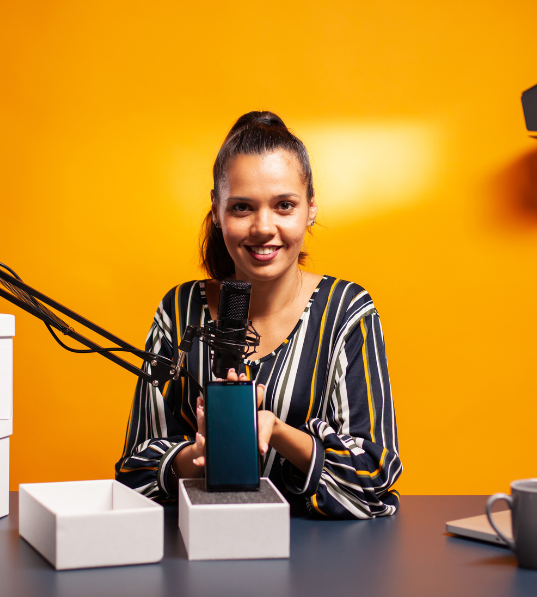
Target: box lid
{"type": "Point", "coordinates": [7, 325]}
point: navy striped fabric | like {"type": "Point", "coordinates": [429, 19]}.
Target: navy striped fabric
{"type": "Point", "coordinates": [329, 378]}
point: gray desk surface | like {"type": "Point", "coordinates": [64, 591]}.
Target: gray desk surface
{"type": "Point", "coordinates": [406, 555]}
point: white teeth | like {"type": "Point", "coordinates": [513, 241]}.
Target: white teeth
{"type": "Point", "coordinates": [263, 250]}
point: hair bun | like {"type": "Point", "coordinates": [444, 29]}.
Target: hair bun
{"type": "Point", "coordinates": [270, 119]}
{"type": "Point", "coordinates": [256, 117]}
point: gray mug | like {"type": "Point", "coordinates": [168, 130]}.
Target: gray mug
{"type": "Point", "coordinates": [523, 504]}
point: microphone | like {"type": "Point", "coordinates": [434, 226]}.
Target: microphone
{"type": "Point", "coordinates": [232, 322]}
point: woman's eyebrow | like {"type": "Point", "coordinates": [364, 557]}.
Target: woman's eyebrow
{"type": "Point", "coordinates": [249, 199]}
{"type": "Point", "coordinates": [236, 198]}
{"type": "Point", "coordinates": [286, 195]}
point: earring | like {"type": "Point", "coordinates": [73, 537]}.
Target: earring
{"type": "Point", "coordinates": [215, 224]}
{"type": "Point", "coordinates": [312, 222]}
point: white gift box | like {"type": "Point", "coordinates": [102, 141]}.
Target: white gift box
{"type": "Point", "coordinates": [232, 525]}
{"type": "Point", "coordinates": [4, 476]}
{"type": "Point", "coordinates": [7, 331]}
{"type": "Point", "coordinates": [85, 524]}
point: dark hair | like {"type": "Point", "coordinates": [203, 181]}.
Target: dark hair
{"type": "Point", "coordinates": [254, 133]}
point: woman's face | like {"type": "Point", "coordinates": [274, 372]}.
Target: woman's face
{"type": "Point", "coordinates": [264, 212]}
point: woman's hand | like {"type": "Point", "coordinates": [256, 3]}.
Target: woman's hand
{"type": "Point", "coordinates": [291, 443]}
{"type": "Point", "coordinates": [265, 418]}
{"type": "Point", "coordinates": [266, 422]}
{"type": "Point", "coordinates": [190, 461]}
{"type": "Point", "coordinates": [198, 449]}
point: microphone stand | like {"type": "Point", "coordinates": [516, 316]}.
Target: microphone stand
{"type": "Point", "coordinates": [162, 369]}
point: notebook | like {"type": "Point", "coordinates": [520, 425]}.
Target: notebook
{"type": "Point", "coordinates": [478, 527]}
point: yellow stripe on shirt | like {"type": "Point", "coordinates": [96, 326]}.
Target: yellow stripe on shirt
{"type": "Point", "coordinates": [178, 328]}
{"type": "Point", "coordinates": [165, 389]}
{"type": "Point", "coordinates": [323, 320]}
{"type": "Point", "coordinates": [368, 381]}
{"type": "Point", "coordinates": [374, 473]}
{"type": "Point", "coordinates": [315, 505]}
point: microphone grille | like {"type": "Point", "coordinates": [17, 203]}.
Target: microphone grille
{"type": "Point", "coordinates": [234, 302]}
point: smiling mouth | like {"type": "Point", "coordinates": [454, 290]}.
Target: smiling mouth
{"type": "Point", "coordinates": [262, 250]}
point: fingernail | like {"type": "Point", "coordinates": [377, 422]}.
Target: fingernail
{"type": "Point", "coordinates": [232, 370]}
{"type": "Point", "coordinates": [264, 448]}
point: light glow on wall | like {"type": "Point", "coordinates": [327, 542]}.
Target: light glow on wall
{"type": "Point", "coordinates": [370, 169]}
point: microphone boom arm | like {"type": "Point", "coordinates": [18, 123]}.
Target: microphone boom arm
{"type": "Point", "coordinates": [162, 369]}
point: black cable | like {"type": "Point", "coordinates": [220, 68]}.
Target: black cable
{"type": "Point", "coordinates": [10, 271]}
{"type": "Point", "coordinates": [140, 353]}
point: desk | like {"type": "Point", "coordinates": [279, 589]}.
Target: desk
{"type": "Point", "coordinates": [408, 554]}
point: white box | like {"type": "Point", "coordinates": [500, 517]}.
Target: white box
{"type": "Point", "coordinates": [233, 525]}
{"type": "Point", "coordinates": [4, 476]}
{"type": "Point", "coordinates": [85, 524]}
{"type": "Point", "coordinates": [7, 331]}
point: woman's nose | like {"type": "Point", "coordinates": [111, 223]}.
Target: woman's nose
{"type": "Point", "coordinates": [263, 223]}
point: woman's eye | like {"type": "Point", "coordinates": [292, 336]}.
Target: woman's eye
{"type": "Point", "coordinates": [286, 205]}
{"type": "Point", "coordinates": [241, 207]}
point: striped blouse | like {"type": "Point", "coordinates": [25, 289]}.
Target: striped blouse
{"type": "Point", "coordinates": [329, 378]}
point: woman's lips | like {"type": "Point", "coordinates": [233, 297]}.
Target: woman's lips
{"type": "Point", "coordinates": [263, 256]}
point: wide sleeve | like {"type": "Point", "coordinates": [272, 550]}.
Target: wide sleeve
{"type": "Point", "coordinates": [355, 446]}
{"type": "Point", "coordinates": [154, 433]}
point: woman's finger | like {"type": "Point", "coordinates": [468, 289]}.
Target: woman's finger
{"type": "Point", "coordinates": [200, 416]}
{"type": "Point", "coordinates": [266, 420]}
{"type": "Point", "coordinates": [200, 449]}
{"type": "Point", "coordinates": [260, 394]}
{"type": "Point", "coordinates": [232, 375]}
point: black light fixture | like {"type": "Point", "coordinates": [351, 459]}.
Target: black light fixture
{"type": "Point", "coordinates": [529, 105]}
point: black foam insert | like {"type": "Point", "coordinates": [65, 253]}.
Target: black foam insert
{"type": "Point", "coordinates": [197, 494]}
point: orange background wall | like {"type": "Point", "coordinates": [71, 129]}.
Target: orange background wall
{"type": "Point", "coordinates": [111, 116]}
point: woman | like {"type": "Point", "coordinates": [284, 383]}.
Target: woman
{"type": "Point", "coordinates": [327, 428]}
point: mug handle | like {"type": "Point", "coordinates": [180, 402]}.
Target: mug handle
{"type": "Point", "coordinates": [492, 499]}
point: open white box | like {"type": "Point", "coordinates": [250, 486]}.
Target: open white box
{"type": "Point", "coordinates": [7, 331]}
{"type": "Point", "coordinates": [85, 524]}
{"type": "Point", "coordinates": [233, 525]}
